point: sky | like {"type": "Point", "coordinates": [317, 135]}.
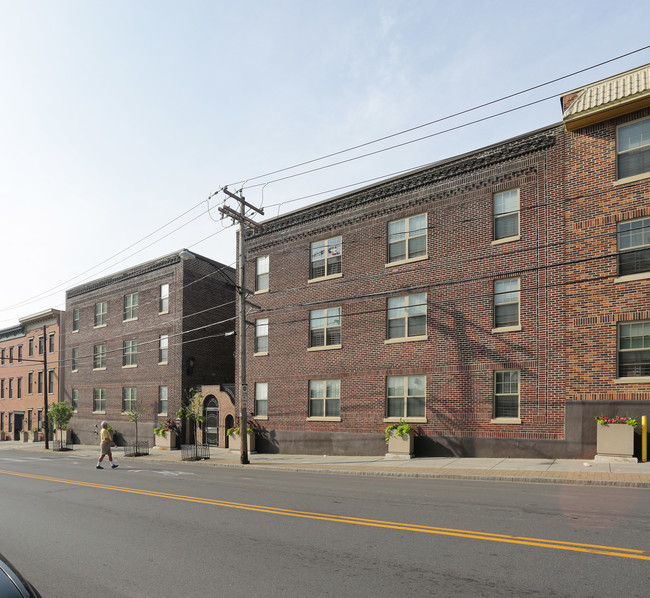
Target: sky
{"type": "Point", "coordinates": [120, 121]}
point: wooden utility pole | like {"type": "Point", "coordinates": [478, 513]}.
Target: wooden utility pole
{"type": "Point", "coordinates": [244, 222]}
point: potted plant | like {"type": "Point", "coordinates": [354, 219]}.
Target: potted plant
{"type": "Point", "coordinates": [234, 439]}
{"type": "Point", "coordinates": [34, 435]}
{"type": "Point", "coordinates": [166, 433]}
{"type": "Point", "coordinates": [615, 438]}
{"type": "Point", "coordinates": [400, 440]}
{"type": "Point", "coordinates": [60, 415]}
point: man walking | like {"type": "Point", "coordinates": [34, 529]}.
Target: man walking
{"type": "Point", "coordinates": [106, 442]}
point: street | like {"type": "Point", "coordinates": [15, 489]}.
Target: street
{"type": "Point", "coordinates": [179, 529]}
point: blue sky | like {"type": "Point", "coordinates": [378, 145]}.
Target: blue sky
{"type": "Point", "coordinates": [117, 117]}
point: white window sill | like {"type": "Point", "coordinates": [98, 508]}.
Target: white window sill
{"type": "Point", "coordinates": [99, 411]}
{"type": "Point", "coordinates": [163, 362]}
{"type": "Point", "coordinates": [323, 419]}
{"type": "Point", "coordinates": [73, 371]}
{"type": "Point", "coordinates": [517, 328]}
{"type": "Point", "coordinates": [329, 277]}
{"type": "Point", "coordinates": [126, 367]}
{"type": "Point", "coordinates": [506, 240]}
{"type": "Point", "coordinates": [99, 369]}
{"type": "Point", "coordinates": [73, 332]}
{"type": "Point", "coordinates": [506, 420]}
{"type": "Point", "coordinates": [261, 291]}
{"type": "Point", "coordinates": [162, 313]}
{"type": "Point", "coordinates": [405, 339]}
{"type": "Point", "coordinates": [633, 380]}
{"type": "Point", "coordinates": [631, 179]}
{"type": "Point", "coordinates": [630, 277]}
{"type": "Point", "coordinates": [164, 414]}
{"type": "Point", "coordinates": [408, 420]}
{"type": "Point", "coordinates": [100, 326]}
{"type": "Point", "coordinates": [261, 417]}
{"type": "Point", "coordinates": [325, 348]}
{"type": "Point", "coordinates": [407, 261]}
{"type": "Point", "coordinates": [260, 354]}
{"type": "Point", "coordinates": [130, 320]}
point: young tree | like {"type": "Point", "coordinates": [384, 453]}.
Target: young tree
{"type": "Point", "coordinates": [193, 410]}
{"type": "Point", "coordinates": [134, 416]}
{"type": "Point", "coordinates": [60, 414]}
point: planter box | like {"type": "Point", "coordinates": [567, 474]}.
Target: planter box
{"type": "Point", "coordinates": [234, 442]}
{"type": "Point", "coordinates": [62, 435]}
{"type": "Point", "coordinates": [615, 442]}
{"type": "Point", "coordinates": [400, 447]}
{"type": "Point", "coordinates": [166, 442]}
{"type": "Point", "coordinates": [34, 436]}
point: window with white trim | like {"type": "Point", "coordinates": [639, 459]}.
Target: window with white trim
{"type": "Point", "coordinates": [163, 348]}
{"type": "Point", "coordinates": [262, 399]}
{"type": "Point", "coordinates": [325, 258]}
{"type": "Point", "coordinates": [506, 393]}
{"type": "Point", "coordinates": [163, 305]}
{"type": "Point", "coordinates": [406, 396]}
{"type": "Point", "coordinates": [163, 400]}
{"type": "Point", "coordinates": [129, 353]}
{"type": "Point", "coordinates": [634, 350]}
{"type": "Point", "coordinates": [506, 302]}
{"type": "Point", "coordinates": [99, 400]}
{"type": "Point", "coordinates": [131, 303]}
{"type": "Point", "coordinates": [74, 399]}
{"type": "Point", "coordinates": [101, 312]}
{"type": "Point", "coordinates": [75, 359]}
{"type": "Point", "coordinates": [99, 357]}
{"type": "Point", "coordinates": [262, 273]}
{"type": "Point", "coordinates": [633, 149]}
{"type": "Point", "coordinates": [506, 214]}
{"type": "Point", "coordinates": [75, 319]}
{"type": "Point", "coordinates": [407, 316]}
{"type": "Point", "coordinates": [633, 240]}
{"type": "Point", "coordinates": [325, 327]}
{"type": "Point", "coordinates": [129, 399]}
{"type": "Point", "coordinates": [325, 398]}
{"type": "Point", "coordinates": [407, 238]}
{"type": "Point", "coordinates": [262, 335]}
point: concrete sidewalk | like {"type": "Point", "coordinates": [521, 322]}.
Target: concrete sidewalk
{"type": "Point", "coordinates": [561, 471]}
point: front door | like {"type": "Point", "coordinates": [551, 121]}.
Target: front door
{"type": "Point", "coordinates": [19, 420]}
{"type": "Point", "coordinates": [212, 421]}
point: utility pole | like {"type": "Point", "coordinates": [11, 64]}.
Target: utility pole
{"type": "Point", "coordinates": [46, 427]}
{"type": "Point", "coordinates": [244, 222]}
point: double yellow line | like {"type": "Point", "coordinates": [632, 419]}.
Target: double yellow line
{"type": "Point", "coordinates": [629, 553]}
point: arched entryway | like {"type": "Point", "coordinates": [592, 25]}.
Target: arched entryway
{"type": "Point", "coordinates": [229, 423]}
{"type": "Point", "coordinates": [211, 413]}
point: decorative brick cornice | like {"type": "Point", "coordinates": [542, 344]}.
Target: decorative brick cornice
{"type": "Point", "coordinates": [425, 177]}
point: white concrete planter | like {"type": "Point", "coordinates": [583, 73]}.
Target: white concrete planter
{"type": "Point", "coordinates": [234, 442]}
{"type": "Point", "coordinates": [400, 447]}
{"type": "Point", "coordinates": [615, 442]}
{"type": "Point", "coordinates": [62, 435]}
{"type": "Point", "coordinates": [166, 442]}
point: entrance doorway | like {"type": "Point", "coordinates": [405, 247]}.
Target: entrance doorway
{"type": "Point", "coordinates": [211, 407]}
{"type": "Point", "coordinates": [19, 422]}
{"type": "Point", "coordinates": [230, 423]}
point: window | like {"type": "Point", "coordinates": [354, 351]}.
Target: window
{"type": "Point", "coordinates": [163, 306]}
{"type": "Point", "coordinates": [2, 358]}
{"type": "Point", "coordinates": [20, 353]}
{"type": "Point", "coordinates": [75, 359]}
{"type": "Point", "coordinates": [2, 388]}
{"type": "Point", "coordinates": [324, 398]}
{"type": "Point", "coordinates": [11, 354]}
{"type": "Point", "coordinates": [75, 399]}
{"type": "Point", "coordinates": [163, 398]}
{"type": "Point", "coordinates": [406, 396]}
{"type": "Point", "coordinates": [129, 353]}
{"type": "Point", "coordinates": [131, 306]}
{"type": "Point", "coordinates": [99, 357]}
{"type": "Point", "coordinates": [262, 335]}
{"type": "Point", "coordinates": [262, 273]}
{"type": "Point", "coordinates": [129, 399]}
{"type": "Point", "coordinates": [50, 381]}
{"type": "Point", "coordinates": [325, 327]}
{"type": "Point", "coordinates": [506, 394]}
{"type": "Point", "coordinates": [101, 310]}
{"type": "Point", "coordinates": [99, 399]}
{"type": "Point", "coordinates": [506, 303]}
{"type": "Point", "coordinates": [30, 382]}
{"type": "Point", "coordinates": [261, 399]}
{"type": "Point", "coordinates": [41, 344]}
{"type": "Point", "coordinates": [11, 388]}
{"type": "Point", "coordinates": [51, 343]}
{"type": "Point", "coordinates": [325, 258]}
{"type": "Point", "coordinates": [506, 214]}
{"type": "Point", "coordinates": [19, 387]}
{"type": "Point", "coordinates": [633, 149]}
{"type": "Point", "coordinates": [30, 350]}
{"type": "Point", "coordinates": [75, 319]}
{"type": "Point", "coordinates": [407, 316]}
{"type": "Point", "coordinates": [407, 238]}
{"type": "Point", "coordinates": [163, 348]}
{"type": "Point", "coordinates": [40, 382]}
{"type": "Point", "coordinates": [634, 350]}
{"type": "Point", "coordinates": [633, 239]}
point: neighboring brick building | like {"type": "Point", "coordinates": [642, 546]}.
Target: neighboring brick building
{"type": "Point", "coordinates": [434, 296]}
{"type": "Point", "coordinates": [608, 250]}
{"type": "Point", "coordinates": [23, 351]}
{"type": "Point", "coordinates": [142, 338]}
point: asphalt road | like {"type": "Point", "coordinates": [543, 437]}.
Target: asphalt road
{"type": "Point", "coordinates": [186, 530]}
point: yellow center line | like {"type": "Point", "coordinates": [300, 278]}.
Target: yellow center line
{"type": "Point", "coordinates": [492, 537]}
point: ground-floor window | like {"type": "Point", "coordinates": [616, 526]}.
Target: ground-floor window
{"type": "Point", "coordinates": [99, 399]}
{"type": "Point", "coordinates": [261, 399]}
{"type": "Point", "coordinates": [406, 396]}
{"type": "Point", "coordinates": [634, 349]}
{"type": "Point", "coordinates": [324, 398]}
{"type": "Point", "coordinates": [506, 393]}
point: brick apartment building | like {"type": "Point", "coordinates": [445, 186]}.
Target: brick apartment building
{"type": "Point", "coordinates": [434, 296]}
{"type": "Point", "coordinates": [142, 338]}
{"type": "Point", "coordinates": [608, 250]}
{"type": "Point", "coordinates": [24, 349]}
{"type": "Point", "coordinates": [497, 301]}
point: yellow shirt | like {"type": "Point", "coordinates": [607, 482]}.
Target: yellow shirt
{"type": "Point", "coordinates": [105, 435]}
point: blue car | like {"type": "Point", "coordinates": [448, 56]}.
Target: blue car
{"type": "Point", "coordinates": [13, 584]}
